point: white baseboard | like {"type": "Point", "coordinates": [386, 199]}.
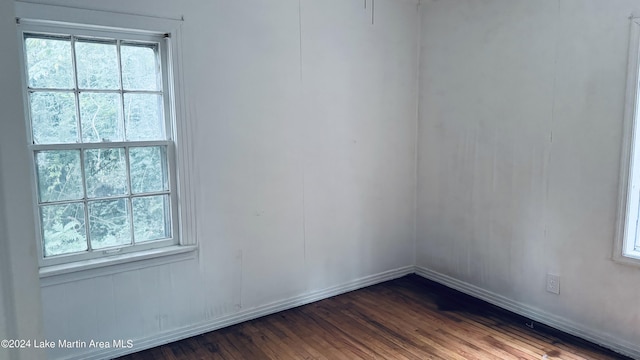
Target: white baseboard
{"type": "Point", "coordinates": [244, 315]}
{"type": "Point", "coordinates": [557, 322]}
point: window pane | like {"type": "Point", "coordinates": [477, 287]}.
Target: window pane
{"type": "Point", "coordinates": [63, 228]}
{"type": "Point", "coordinates": [109, 223]}
{"type": "Point", "coordinates": [97, 65]}
{"type": "Point", "coordinates": [53, 118]}
{"type": "Point", "coordinates": [100, 117]}
{"type": "Point", "coordinates": [140, 70]}
{"type": "Point", "coordinates": [143, 114]}
{"type": "Point", "coordinates": [105, 172]}
{"type": "Point", "coordinates": [148, 171]}
{"type": "Point", "coordinates": [49, 63]}
{"type": "Point", "coordinates": [150, 220]}
{"type": "Point", "coordinates": [59, 175]}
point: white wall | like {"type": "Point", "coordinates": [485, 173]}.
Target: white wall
{"type": "Point", "coordinates": [521, 112]}
{"type": "Point", "coordinates": [304, 115]}
{"type": "Point", "coordinates": [305, 135]}
{"type": "Point", "coordinates": [20, 309]}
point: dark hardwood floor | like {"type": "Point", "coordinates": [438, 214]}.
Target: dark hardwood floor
{"type": "Point", "coordinates": [406, 318]}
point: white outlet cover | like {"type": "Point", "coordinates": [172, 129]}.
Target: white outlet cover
{"type": "Point", "coordinates": [553, 283]}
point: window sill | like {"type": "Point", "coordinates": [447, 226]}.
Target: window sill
{"type": "Point", "coordinates": [630, 257]}
{"type": "Point", "coordinates": [59, 274]}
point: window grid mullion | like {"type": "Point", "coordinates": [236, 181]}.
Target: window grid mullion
{"type": "Point", "coordinates": [121, 83]}
{"type": "Point", "coordinates": [51, 90]}
{"type": "Point", "coordinates": [130, 208]}
{"type": "Point", "coordinates": [99, 145]}
{"type": "Point", "coordinates": [85, 200]}
{"type": "Point", "coordinates": [101, 91]}
{"type": "Point", "coordinates": [130, 191]}
{"type": "Point", "coordinates": [74, 65]}
{"type": "Point", "coordinates": [106, 198]}
{"type": "Point", "coordinates": [161, 65]}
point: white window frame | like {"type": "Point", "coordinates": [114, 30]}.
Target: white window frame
{"type": "Point", "coordinates": [41, 18]}
{"type": "Point", "coordinates": [627, 239]}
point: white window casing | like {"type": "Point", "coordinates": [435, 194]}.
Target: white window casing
{"type": "Point", "coordinates": [627, 241]}
{"type": "Point", "coordinates": [34, 20]}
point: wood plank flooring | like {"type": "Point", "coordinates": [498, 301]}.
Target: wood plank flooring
{"type": "Point", "coordinates": [406, 318]}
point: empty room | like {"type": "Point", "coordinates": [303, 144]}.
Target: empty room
{"type": "Point", "coordinates": [319, 179]}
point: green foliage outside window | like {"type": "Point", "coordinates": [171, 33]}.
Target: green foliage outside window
{"type": "Point", "coordinates": [103, 92]}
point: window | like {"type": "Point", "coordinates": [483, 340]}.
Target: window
{"type": "Point", "coordinates": [100, 107]}
{"type": "Point", "coordinates": [627, 241]}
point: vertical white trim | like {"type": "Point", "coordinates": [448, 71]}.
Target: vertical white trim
{"type": "Point", "coordinates": [22, 55]}
{"type": "Point", "coordinates": [629, 181]}
{"type": "Point", "coordinates": [183, 135]}
{"type": "Point", "coordinates": [18, 263]}
{"type": "Point", "coordinates": [416, 144]}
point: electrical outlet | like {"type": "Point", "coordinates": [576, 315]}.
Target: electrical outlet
{"type": "Point", "coordinates": [553, 283]}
